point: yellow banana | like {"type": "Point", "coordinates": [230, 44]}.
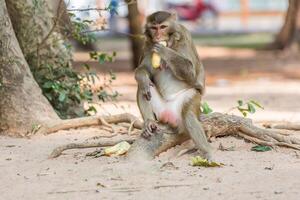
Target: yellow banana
{"type": "Point", "coordinates": [156, 57]}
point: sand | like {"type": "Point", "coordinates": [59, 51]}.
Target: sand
{"type": "Point", "coordinates": [27, 173]}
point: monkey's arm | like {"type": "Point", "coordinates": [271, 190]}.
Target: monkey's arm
{"type": "Point", "coordinates": [185, 64]}
{"type": "Point", "coordinates": [143, 78]}
{"type": "Point", "coordinates": [182, 67]}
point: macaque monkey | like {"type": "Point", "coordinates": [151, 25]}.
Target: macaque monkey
{"type": "Point", "coordinates": [171, 93]}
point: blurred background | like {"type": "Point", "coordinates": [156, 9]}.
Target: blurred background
{"type": "Point", "coordinates": [250, 49]}
{"type": "Point", "coordinates": [201, 16]}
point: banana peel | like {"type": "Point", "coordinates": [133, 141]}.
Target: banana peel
{"type": "Point", "coordinates": [156, 57]}
{"type": "Point", "coordinates": [117, 150]}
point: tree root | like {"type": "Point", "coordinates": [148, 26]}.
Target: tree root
{"type": "Point", "coordinates": [286, 126]}
{"type": "Point", "coordinates": [214, 125]}
{"type": "Point", "coordinates": [91, 121]}
{"type": "Point", "coordinates": [104, 143]}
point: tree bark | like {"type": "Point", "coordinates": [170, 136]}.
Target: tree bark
{"type": "Point", "coordinates": [290, 31]}
{"type": "Point", "coordinates": [135, 30]}
{"type": "Point", "coordinates": [22, 105]}
{"type": "Point", "coordinates": [37, 30]}
{"type": "Point", "coordinates": [64, 23]}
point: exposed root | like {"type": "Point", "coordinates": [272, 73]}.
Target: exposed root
{"type": "Point", "coordinates": [286, 126]}
{"type": "Point", "coordinates": [91, 121]}
{"type": "Point", "coordinates": [104, 143]}
{"type": "Point", "coordinates": [104, 122]}
{"type": "Point", "coordinates": [130, 128]}
{"type": "Point", "coordinates": [216, 124]}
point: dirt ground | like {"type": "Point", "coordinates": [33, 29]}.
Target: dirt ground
{"type": "Point", "coordinates": [270, 78]}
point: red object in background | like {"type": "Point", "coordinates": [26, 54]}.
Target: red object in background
{"type": "Point", "coordinates": [192, 13]}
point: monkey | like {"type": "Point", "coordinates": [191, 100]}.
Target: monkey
{"type": "Point", "coordinates": [171, 94]}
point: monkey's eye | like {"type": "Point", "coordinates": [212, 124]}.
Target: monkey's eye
{"type": "Point", "coordinates": [153, 28]}
{"type": "Point", "coordinates": [163, 26]}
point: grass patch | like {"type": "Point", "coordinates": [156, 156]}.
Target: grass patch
{"type": "Point", "coordinates": [252, 41]}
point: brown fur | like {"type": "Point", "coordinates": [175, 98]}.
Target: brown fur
{"type": "Point", "coordinates": [182, 61]}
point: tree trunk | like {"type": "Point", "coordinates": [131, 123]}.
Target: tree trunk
{"type": "Point", "coordinates": [135, 30]}
{"type": "Point", "coordinates": [64, 22]}
{"type": "Point", "coordinates": [37, 30]}
{"type": "Point", "coordinates": [290, 31]}
{"type": "Point", "coordinates": [22, 106]}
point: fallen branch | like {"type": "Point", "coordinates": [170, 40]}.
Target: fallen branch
{"type": "Point", "coordinates": [90, 121]}
{"type": "Point", "coordinates": [104, 143]}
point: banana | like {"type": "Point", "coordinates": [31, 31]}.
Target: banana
{"type": "Point", "coordinates": [156, 57]}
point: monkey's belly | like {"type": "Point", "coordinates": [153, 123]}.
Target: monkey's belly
{"type": "Point", "coordinates": [169, 109]}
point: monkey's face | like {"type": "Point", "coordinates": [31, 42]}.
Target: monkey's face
{"type": "Point", "coordinates": [159, 32]}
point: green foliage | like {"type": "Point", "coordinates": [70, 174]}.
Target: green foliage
{"type": "Point", "coordinates": [261, 148]}
{"type": "Point", "coordinates": [79, 27]}
{"type": "Point", "coordinates": [205, 109]}
{"type": "Point", "coordinates": [248, 107]}
{"type": "Point", "coordinates": [244, 40]}
{"type": "Point", "coordinates": [67, 89]}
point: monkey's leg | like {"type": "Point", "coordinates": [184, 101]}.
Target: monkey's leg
{"type": "Point", "coordinates": [193, 126]}
{"type": "Point", "coordinates": [150, 110]}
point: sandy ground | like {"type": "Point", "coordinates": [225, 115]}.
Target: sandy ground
{"type": "Point", "coordinates": [27, 173]}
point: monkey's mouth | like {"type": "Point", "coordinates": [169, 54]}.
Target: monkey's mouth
{"type": "Point", "coordinates": [164, 42]}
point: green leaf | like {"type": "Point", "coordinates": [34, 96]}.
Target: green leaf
{"type": "Point", "coordinates": [87, 66]}
{"type": "Point", "coordinates": [257, 104]}
{"type": "Point", "coordinates": [71, 14]}
{"type": "Point", "coordinates": [62, 97]}
{"type": "Point", "coordinates": [93, 55]}
{"type": "Point", "coordinates": [240, 102]}
{"type": "Point", "coordinates": [102, 58]}
{"type": "Point", "coordinates": [261, 148]}
{"type": "Point", "coordinates": [205, 108]}
{"type": "Point", "coordinates": [251, 108]}
{"type": "Point", "coordinates": [47, 85]}
{"type": "Point", "coordinates": [243, 111]}
{"type": "Point", "coordinates": [198, 161]}
{"type": "Point", "coordinates": [91, 109]}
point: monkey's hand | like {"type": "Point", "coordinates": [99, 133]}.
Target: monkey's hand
{"type": "Point", "coordinates": [170, 56]}
{"type": "Point", "coordinates": [160, 49]}
{"type": "Point", "coordinates": [150, 127]}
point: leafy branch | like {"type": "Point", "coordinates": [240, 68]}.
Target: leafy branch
{"type": "Point", "coordinates": [248, 107]}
